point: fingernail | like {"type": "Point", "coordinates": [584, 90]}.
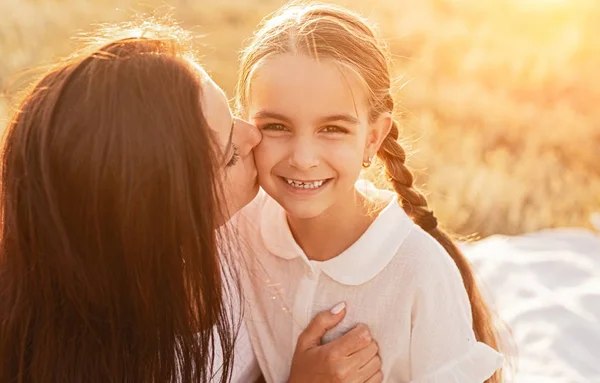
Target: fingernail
{"type": "Point", "coordinates": [338, 308]}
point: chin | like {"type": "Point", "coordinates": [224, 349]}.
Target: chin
{"type": "Point", "coordinates": [241, 200]}
{"type": "Point", "coordinates": [249, 196]}
{"type": "Point", "coordinates": [302, 210]}
{"type": "Point", "coordinates": [252, 193]}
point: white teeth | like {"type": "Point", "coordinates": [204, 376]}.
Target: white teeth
{"type": "Point", "coordinates": [305, 185]}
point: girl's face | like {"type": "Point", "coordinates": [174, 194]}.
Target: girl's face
{"type": "Point", "coordinates": [237, 138]}
{"type": "Point", "coordinates": [316, 132]}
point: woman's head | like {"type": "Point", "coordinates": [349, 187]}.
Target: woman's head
{"type": "Point", "coordinates": [112, 174]}
{"type": "Point", "coordinates": [309, 62]}
{"type": "Point", "coordinates": [315, 80]}
{"type": "Point", "coordinates": [236, 139]}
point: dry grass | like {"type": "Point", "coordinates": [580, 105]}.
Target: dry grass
{"type": "Point", "coordinates": [498, 103]}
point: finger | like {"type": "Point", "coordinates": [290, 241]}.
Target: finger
{"type": "Point", "coordinates": [367, 371]}
{"type": "Point", "coordinates": [362, 357]}
{"type": "Point", "coordinates": [319, 325]}
{"type": "Point", "coordinates": [352, 341]}
{"type": "Point", "coordinates": [376, 378]}
{"type": "Point", "coordinates": [371, 368]}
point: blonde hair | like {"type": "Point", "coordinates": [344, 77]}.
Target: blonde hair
{"type": "Point", "coordinates": [331, 32]}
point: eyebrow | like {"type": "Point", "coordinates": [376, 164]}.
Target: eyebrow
{"type": "Point", "coordinates": [334, 117]}
{"type": "Point", "coordinates": [340, 117]}
{"type": "Point", "coordinates": [273, 115]}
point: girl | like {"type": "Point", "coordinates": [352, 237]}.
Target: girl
{"type": "Point", "coordinates": [315, 81]}
{"type": "Point", "coordinates": [116, 172]}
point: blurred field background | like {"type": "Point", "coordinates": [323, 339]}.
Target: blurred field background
{"type": "Point", "coordinates": [499, 98]}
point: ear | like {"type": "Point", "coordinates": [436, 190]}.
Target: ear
{"type": "Point", "coordinates": [378, 130]}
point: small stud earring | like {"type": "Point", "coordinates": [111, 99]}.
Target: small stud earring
{"type": "Point", "coordinates": [366, 163]}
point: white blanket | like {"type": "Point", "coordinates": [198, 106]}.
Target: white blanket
{"type": "Point", "coordinates": [546, 286]}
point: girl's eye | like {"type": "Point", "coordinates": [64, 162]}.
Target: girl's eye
{"type": "Point", "coordinates": [274, 127]}
{"type": "Point", "coordinates": [234, 157]}
{"type": "Point", "coordinates": [334, 129]}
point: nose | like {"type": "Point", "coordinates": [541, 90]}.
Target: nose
{"type": "Point", "coordinates": [247, 136]}
{"type": "Point", "coordinates": [303, 154]}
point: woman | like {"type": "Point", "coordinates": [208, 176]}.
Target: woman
{"type": "Point", "coordinates": [117, 170]}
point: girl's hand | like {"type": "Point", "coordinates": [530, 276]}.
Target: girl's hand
{"type": "Point", "coordinates": [352, 358]}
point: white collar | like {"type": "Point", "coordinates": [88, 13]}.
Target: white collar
{"type": "Point", "coordinates": [359, 263]}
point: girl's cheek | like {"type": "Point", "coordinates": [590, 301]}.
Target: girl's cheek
{"type": "Point", "coordinates": [270, 147]}
{"type": "Point", "coordinates": [341, 151]}
{"type": "Point", "coordinates": [260, 151]}
{"type": "Point", "coordinates": [266, 154]}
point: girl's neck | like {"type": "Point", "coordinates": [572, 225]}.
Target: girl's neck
{"type": "Point", "coordinates": [329, 234]}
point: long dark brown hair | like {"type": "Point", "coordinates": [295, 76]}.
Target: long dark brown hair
{"type": "Point", "coordinates": [325, 31]}
{"type": "Point", "coordinates": [109, 203]}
